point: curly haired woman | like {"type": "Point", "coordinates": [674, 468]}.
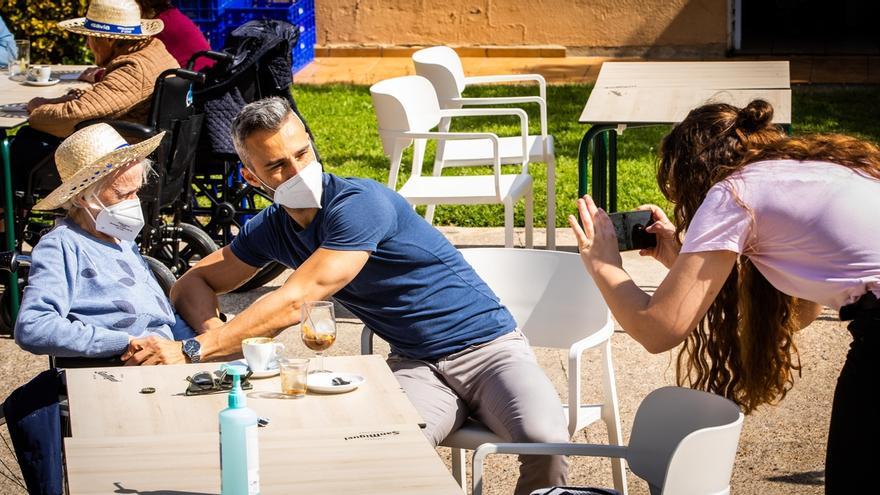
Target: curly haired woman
{"type": "Point", "coordinates": [773, 228]}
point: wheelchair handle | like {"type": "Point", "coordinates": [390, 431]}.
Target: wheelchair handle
{"type": "Point", "coordinates": [218, 56]}
{"type": "Point", "coordinates": [10, 261]}
{"type": "Point", "coordinates": [189, 75]}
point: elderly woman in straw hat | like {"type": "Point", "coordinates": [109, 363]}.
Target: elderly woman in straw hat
{"type": "Point", "coordinates": [129, 59]}
{"type": "Point", "coordinates": [89, 292]}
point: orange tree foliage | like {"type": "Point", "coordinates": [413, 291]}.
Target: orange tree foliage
{"type": "Point", "coordinates": [37, 21]}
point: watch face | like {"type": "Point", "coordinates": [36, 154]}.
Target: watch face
{"type": "Point", "coordinates": [191, 348]}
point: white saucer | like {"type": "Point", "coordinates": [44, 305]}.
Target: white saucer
{"type": "Point", "coordinates": [323, 382]}
{"type": "Point", "coordinates": [50, 82]}
{"type": "Point", "coordinates": [272, 371]}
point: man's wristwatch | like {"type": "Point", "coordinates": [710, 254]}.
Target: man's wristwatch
{"type": "Point", "coordinates": [193, 350]}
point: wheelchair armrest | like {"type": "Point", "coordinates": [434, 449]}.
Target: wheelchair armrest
{"type": "Point", "coordinates": [133, 129]}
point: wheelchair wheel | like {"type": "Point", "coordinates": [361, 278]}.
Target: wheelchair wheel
{"type": "Point", "coordinates": [221, 205]}
{"type": "Point", "coordinates": [193, 245]}
{"type": "Point", "coordinates": [162, 273]}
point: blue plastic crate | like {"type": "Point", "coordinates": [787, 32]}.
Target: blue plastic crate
{"type": "Point", "coordinates": [215, 32]}
{"type": "Point", "coordinates": [208, 10]}
{"type": "Point", "coordinates": [304, 51]}
{"type": "Point", "coordinates": [300, 12]}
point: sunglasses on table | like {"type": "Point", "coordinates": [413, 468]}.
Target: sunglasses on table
{"type": "Point", "coordinates": [206, 382]}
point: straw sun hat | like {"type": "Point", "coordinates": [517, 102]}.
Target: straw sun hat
{"type": "Point", "coordinates": [114, 19]}
{"type": "Point", "coordinates": [90, 154]}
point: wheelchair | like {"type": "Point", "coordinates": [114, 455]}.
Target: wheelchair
{"type": "Point", "coordinates": [255, 63]}
{"type": "Point", "coordinates": [169, 245]}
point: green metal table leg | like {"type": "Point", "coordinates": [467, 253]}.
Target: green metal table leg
{"type": "Point", "coordinates": [584, 159]}
{"type": "Point", "coordinates": [12, 286]}
{"type": "Point", "coordinates": [612, 171]}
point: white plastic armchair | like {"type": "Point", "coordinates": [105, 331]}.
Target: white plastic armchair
{"type": "Point", "coordinates": [556, 305]}
{"type": "Point", "coordinates": [407, 111]}
{"type": "Point", "coordinates": [442, 66]}
{"type": "Point", "coordinates": [683, 442]}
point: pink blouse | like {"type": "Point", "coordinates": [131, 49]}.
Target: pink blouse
{"type": "Point", "coordinates": [183, 38]}
{"type": "Point", "coordinates": [811, 228]}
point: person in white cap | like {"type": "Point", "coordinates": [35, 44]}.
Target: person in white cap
{"type": "Point", "coordinates": [129, 59]}
{"type": "Point", "coordinates": [89, 291]}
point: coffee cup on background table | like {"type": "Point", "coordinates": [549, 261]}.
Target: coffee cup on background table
{"type": "Point", "coordinates": [261, 353]}
{"type": "Point", "coordinates": [39, 73]}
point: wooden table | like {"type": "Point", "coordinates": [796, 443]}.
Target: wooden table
{"type": "Point", "coordinates": [13, 91]}
{"type": "Point", "coordinates": [107, 403]}
{"type": "Point", "coordinates": [637, 94]}
{"type": "Point", "coordinates": [382, 460]}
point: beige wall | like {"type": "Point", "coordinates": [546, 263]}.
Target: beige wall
{"type": "Point", "coordinates": [584, 26]}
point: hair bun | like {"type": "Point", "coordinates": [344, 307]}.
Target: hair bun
{"type": "Point", "coordinates": [754, 116]}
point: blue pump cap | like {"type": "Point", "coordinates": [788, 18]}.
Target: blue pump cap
{"type": "Point", "coordinates": [236, 395]}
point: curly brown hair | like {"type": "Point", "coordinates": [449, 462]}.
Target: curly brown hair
{"type": "Point", "coordinates": [744, 347]}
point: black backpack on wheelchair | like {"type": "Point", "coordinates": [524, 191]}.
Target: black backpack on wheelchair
{"type": "Point", "coordinates": [255, 64]}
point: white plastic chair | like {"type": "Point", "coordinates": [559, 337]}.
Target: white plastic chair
{"type": "Point", "coordinates": [683, 442]}
{"type": "Point", "coordinates": [442, 66]}
{"type": "Point", "coordinates": [407, 110]}
{"type": "Point", "coordinates": [557, 305]}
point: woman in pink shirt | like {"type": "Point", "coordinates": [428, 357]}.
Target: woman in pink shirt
{"type": "Point", "coordinates": [181, 36]}
{"type": "Point", "coordinates": [773, 228]}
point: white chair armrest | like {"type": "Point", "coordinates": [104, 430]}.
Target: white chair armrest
{"type": "Point", "coordinates": [510, 100]}
{"type": "Point", "coordinates": [538, 78]}
{"type": "Point", "coordinates": [582, 449]}
{"type": "Point", "coordinates": [496, 150]}
{"type": "Point", "coordinates": [478, 112]}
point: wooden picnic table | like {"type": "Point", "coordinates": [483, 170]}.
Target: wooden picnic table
{"type": "Point", "coordinates": [638, 94]}
{"type": "Point", "coordinates": [381, 460]}
{"type": "Point", "coordinates": [108, 403]}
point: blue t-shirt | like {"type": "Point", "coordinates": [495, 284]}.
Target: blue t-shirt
{"type": "Point", "coordinates": [416, 291]}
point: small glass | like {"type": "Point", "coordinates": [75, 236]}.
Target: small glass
{"type": "Point", "coordinates": [22, 59]}
{"type": "Point", "coordinates": [318, 329]}
{"type": "Point", "coordinates": [294, 376]}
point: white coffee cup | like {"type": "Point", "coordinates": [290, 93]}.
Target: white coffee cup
{"type": "Point", "coordinates": [39, 73]}
{"type": "Point", "coordinates": [44, 73]}
{"type": "Point", "coordinates": [261, 353]}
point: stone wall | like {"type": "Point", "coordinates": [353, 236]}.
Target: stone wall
{"type": "Point", "coordinates": [585, 27]}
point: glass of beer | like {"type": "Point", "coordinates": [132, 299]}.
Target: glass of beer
{"type": "Point", "coordinates": [294, 374]}
{"type": "Point", "coordinates": [318, 329]}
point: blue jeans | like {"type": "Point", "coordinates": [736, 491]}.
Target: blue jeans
{"type": "Point", "coordinates": [33, 417]}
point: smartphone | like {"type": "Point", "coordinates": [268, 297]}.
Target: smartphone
{"type": "Point", "coordinates": [630, 229]}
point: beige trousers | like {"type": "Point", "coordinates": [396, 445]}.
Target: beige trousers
{"type": "Point", "coordinates": [500, 384]}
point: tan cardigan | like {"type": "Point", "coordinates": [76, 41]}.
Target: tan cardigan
{"type": "Point", "coordinates": [124, 92]}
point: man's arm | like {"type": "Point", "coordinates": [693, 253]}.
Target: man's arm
{"type": "Point", "coordinates": [195, 295]}
{"type": "Point", "coordinates": [322, 275]}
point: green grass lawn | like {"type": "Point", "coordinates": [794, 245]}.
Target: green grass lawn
{"type": "Point", "coordinates": [342, 119]}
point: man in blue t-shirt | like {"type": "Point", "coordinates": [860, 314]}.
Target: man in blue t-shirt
{"type": "Point", "coordinates": [455, 348]}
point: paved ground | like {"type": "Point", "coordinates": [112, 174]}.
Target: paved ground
{"type": "Point", "coordinates": [781, 450]}
{"type": "Point", "coordinates": [854, 69]}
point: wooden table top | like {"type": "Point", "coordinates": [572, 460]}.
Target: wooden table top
{"type": "Point", "coordinates": [107, 402]}
{"type": "Point", "coordinates": [385, 460]}
{"type": "Point", "coordinates": [710, 75]}
{"type": "Point", "coordinates": [664, 92]}
{"type": "Point", "coordinates": [15, 91]}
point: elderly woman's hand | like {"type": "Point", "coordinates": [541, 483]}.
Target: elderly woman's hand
{"type": "Point", "coordinates": [597, 241]}
{"type": "Point", "coordinates": [153, 350]}
{"type": "Point", "coordinates": [36, 102]}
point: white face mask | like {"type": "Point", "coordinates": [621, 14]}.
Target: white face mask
{"type": "Point", "coordinates": [303, 190]}
{"type": "Point", "coordinates": [124, 220]}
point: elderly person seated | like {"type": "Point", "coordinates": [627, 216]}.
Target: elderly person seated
{"type": "Point", "coordinates": [89, 291]}
{"type": "Point", "coordinates": [181, 36]}
{"type": "Point", "coordinates": [129, 60]}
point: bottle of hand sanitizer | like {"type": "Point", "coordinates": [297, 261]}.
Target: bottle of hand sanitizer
{"type": "Point", "coordinates": [239, 453]}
